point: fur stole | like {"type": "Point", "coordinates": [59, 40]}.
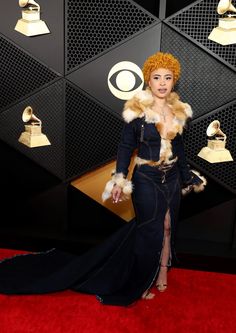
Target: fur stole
{"type": "Point", "coordinates": [140, 105]}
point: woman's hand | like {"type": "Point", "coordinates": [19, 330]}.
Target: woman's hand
{"type": "Point", "coordinates": [116, 193]}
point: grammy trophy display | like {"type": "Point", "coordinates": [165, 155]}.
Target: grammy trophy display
{"type": "Point", "coordinates": [225, 33]}
{"type": "Point", "coordinates": [215, 151]}
{"type": "Point", "coordinates": [33, 136]}
{"type": "Point", "coordinates": [30, 24]}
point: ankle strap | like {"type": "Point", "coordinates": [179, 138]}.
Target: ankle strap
{"type": "Point", "coordinates": [164, 265]}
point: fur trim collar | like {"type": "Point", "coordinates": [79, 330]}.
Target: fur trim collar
{"type": "Point", "coordinates": [140, 105]}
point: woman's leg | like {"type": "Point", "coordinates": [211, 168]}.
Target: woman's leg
{"type": "Point", "coordinates": [150, 205]}
{"type": "Point", "coordinates": [162, 276]}
{"type": "Point", "coordinates": [165, 256]}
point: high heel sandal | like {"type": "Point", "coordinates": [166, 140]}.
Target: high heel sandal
{"type": "Point", "coordinates": [162, 286]}
{"type": "Point", "coordinates": [148, 295]}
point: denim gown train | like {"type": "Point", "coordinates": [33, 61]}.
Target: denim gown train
{"type": "Point", "coordinates": [120, 269]}
{"type": "Point", "coordinates": [126, 264]}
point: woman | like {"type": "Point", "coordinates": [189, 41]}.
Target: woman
{"type": "Point", "coordinates": [155, 119]}
{"type": "Point", "coordinates": [122, 269]}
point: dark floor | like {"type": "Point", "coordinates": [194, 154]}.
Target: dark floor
{"type": "Point", "coordinates": [206, 263]}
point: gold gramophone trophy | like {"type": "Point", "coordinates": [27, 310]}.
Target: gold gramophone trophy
{"type": "Point", "coordinates": [225, 33]}
{"type": "Point", "coordinates": [30, 24]}
{"type": "Point", "coordinates": [215, 151]}
{"type": "Point", "coordinates": [33, 136]}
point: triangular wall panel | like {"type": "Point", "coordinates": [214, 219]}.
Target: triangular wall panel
{"type": "Point", "coordinates": [92, 132]}
{"type": "Point", "coordinates": [48, 106]}
{"type": "Point", "coordinates": [195, 139]}
{"type": "Point", "coordinates": [47, 48]}
{"type": "Point", "coordinates": [196, 22]}
{"type": "Point", "coordinates": [93, 27]}
{"type": "Point", "coordinates": [93, 76]}
{"type": "Point", "coordinates": [206, 83]}
{"type": "Point", "coordinates": [20, 73]}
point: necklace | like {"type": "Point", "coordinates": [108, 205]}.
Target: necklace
{"type": "Point", "coordinates": [163, 113]}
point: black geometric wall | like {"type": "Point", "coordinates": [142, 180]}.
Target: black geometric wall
{"type": "Point", "coordinates": [63, 76]}
{"type": "Point", "coordinates": [48, 49]}
{"type": "Point", "coordinates": [224, 172]}
{"type": "Point", "coordinates": [207, 83]}
{"type": "Point", "coordinates": [48, 106]}
{"type": "Point", "coordinates": [43, 72]}
{"type": "Point", "coordinates": [21, 74]}
{"type": "Point", "coordinates": [196, 22]}
{"type": "Point", "coordinates": [92, 77]}
{"type": "Point", "coordinates": [96, 26]}
{"type": "Point", "coordinates": [92, 132]}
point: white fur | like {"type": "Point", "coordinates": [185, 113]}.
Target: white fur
{"type": "Point", "coordinates": [188, 110]}
{"type": "Point", "coordinates": [166, 145]}
{"type": "Point", "coordinates": [129, 115]}
{"type": "Point", "coordinates": [107, 191]}
{"type": "Point", "coordinates": [151, 116]}
{"type": "Point", "coordinates": [200, 187]}
{"type": "Point", "coordinates": [144, 96]}
{"type": "Point", "coordinates": [195, 188]}
{"type": "Point", "coordinates": [117, 179]}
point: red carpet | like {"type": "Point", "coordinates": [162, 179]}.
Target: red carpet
{"type": "Point", "coordinates": [195, 302]}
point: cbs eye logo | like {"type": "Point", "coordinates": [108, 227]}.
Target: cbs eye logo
{"type": "Point", "coordinates": [125, 79]}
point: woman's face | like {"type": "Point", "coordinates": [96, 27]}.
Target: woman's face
{"type": "Point", "coordinates": [161, 82]}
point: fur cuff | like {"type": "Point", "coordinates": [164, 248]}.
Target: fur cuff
{"type": "Point", "coordinates": [201, 186]}
{"type": "Point", "coordinates": [121, 181]}
{"type": "Point", "coordinates": [197, 183]}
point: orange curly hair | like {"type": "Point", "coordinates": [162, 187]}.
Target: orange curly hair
{"type": "Point", "coordinates": [161, 60]}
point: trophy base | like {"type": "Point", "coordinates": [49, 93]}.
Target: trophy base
{"type": "Point", "coordinates": [216, 144]}
{"type": "Point", "coordinates": [223, 36]}
{"type": "Point", "coordinates": [215, 156]}
{"type": "Point", "coordinates": [33, 140]}
{"type": "Point", "coordinates": [31, 28]}
{"type": "Point", "coordinates": [227, 23]}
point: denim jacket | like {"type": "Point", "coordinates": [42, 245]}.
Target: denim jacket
{"type": "Point", "coordinates": [144, 138]}
{"type": "Point", "coordinates": [142, 132]}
